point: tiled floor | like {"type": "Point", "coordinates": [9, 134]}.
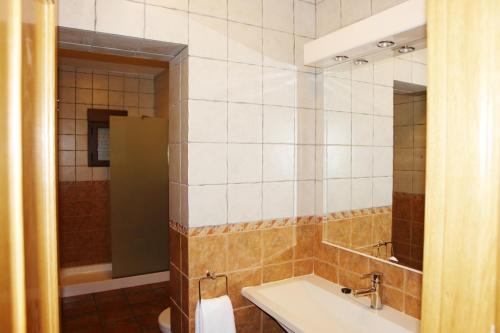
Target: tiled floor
{"type": "Point", "coordinates": [131, 310]}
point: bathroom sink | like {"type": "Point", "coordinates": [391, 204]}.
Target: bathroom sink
{"type": "Point", "coordinates": [310, 304]}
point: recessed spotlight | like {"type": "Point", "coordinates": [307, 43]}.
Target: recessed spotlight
{"type": "Point", "coordinates": [406, 49]}
{"type": "Point", "coordinates": [340, 58]}
{"type": "Point", "coordinates": [385, 44]}
{"type": "Point", "coordinates": [359, 62]}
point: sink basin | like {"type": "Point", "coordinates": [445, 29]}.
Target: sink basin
{"type": "Point", "coordinates": [310, 304]}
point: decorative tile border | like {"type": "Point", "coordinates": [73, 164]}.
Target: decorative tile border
{"type": "Point", "coordinates": [274, 223]}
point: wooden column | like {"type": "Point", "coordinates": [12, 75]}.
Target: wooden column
{"type": "Point", "coordinates": [462, 237]}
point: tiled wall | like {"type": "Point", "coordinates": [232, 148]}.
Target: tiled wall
{"type": "Point", "coordinates": [409, 143]}
{"type": "Point", "coordinates": [260, 252]}
{"type": "Point", "coordinates": [334, 14]}
{"type": "Point", "coordinates": [82, 88]}
{"type": "Point", "coordinates": [83, 226]}
{"type": "Point", "coordinates": [361, 230]}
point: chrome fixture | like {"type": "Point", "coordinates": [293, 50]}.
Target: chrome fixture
{"type": "Point", "coordinates": [383, 44]}
{"type": "Point", "coordinates": [359, 62]}
{"type": "Point", "coordinates": [406, 49]}
{"type": "Point", "coordinates": [340, 58]}
{"type": "Point", "coordinates": [374, 291]}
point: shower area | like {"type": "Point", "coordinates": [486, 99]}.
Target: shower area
{"type": "Point", "coordinates": [113, 167]}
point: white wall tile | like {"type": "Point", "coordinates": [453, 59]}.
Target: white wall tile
{"type": "Point", "coordinates": [305, 15]}
{"type": "Point", "coordinates": [245, 11]}
{"type": "Point", "coordinates": [305, 126]}
{"type": "Point", "coordinates": [207, 121]}
{"type": "Point", "coordinates": [362, 97]}
{"type": "Point", "coordinates": [338, 128]}
{"type": "Point", "coordinates": [362, 162]}
{"type": "Point", "coordinates": [306, 162]}
{"type": "Point", "coordinates": [278, 162]}
{"type": "Point", "coordinates": [361, 193]}
{"type": "Point", "coordinates": [184, 205]}
{"type": "Point", "coordinates": [174, 202]}
{"type": "Point", "coordinates": [207, 37]}
{"type": "Point", "coordinates": [207, 205]}
{"type": "Point", "coordinates": [177, 4]}
{"type": "Point", "coordinates": [383, 131]}
{"type": "Point", "coordinates": [245, 123]}
{"type": "Point", "coordinates": [278, 49]}
{"type": "Point", "coordinates": [207, 163]}
{"type": "Point", "coordinates": [338, 195]}
{"type": "Point", "coordinates": [245, 43]}
{"type": "Point", "coordinates": [278, 15]}
{"type": "Point", "coordinates": [244, 202]}
{"type": "Point", "coordinates": [245, 83]}
{"type": "Point", "coordinates": [216, 8]}
{"type": "Point", "coordinates": [382, 161]}
{"type": "Point", "coordinates": [383, 72]}
{"type": "Point", "coordinates": [305, 195]}
{"type": "Point", "coordinates": [380, 5]}
{"type": "Point", "coordinates": [278, 124]}
{"type": "Point", "coordinates": [382, 191]}
{"type": "Point", "coordinates": [174, 163]}
{"type": "Point", "coordinates": [306, 88]}
{"type": "Point", "coordinates": [338, 161]}
{"type": "Point", "coordinates": [327, 17]}
{"type": "Point", "coordinates": [402, 70]}
{"type": "Point", "coordinates": [77, 14]}
{"type": "Point", "coordinates": [383, 101]}
{"type": "Point", "coordinates": [244, 163]}
{"type": "Point", "coordinates": [207, 79]}
{"type": "Point", "coordinates": [110, 16]}
{"type": "Point", "coordinates": [279, 87]}
{"type": "Point", "coordinates": [354, 10]}
{"type": "Point", "coordinates": [419, 74]}
{"type": "Point", "coordinates": [362, 129]}
{"type": "Point", "coordinates": [337, 93]}
{"type": "Point", "coordinates": [173, 23]}
{"type": "Point", "coordinates": [278, 200]}
{"type": "Point", "coordinates": [363, 73]}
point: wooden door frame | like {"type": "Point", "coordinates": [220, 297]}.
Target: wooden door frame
{"type": "Point", "coordinates": [460, 287]}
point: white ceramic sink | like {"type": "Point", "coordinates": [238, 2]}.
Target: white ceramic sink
{"type": "Point", "coordinates": [310, 304]}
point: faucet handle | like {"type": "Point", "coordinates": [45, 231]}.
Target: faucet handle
{"type": "Point", "coordinates": [375, 276]}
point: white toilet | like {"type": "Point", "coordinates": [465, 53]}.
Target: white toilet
{"type": "Point", "coordinates": [164, 321]}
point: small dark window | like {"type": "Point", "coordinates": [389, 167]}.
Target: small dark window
{"type": "Point", "coordinates": [98, 135]}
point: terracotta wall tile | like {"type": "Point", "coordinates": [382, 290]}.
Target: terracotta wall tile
{"type": "Point", "coordinates": [269, 325]}
{"type": "Point", "coordinates": [382, 227]}
{"type": "Point", "coordinates": [175, 319]}
{"type": "Point", "coordinates": [353, 262]}
{"type": "Point", "coordinates": [352, 280]}
{"type": "Point", "coordinates": [392, 297]}
{"type": "Point", "coordinates": [338, 232]}
{"type": "Point", "coordinates": [303, 267]}
{"type": "Point", "coordinates": [175, 247]}
{"type": "Point", "coordinates": [326, 271]}
{"type": "Point", "coordinates": [185, 294]}
{"type": "Point", "coordinates": [393, 276]}
{"type": "Point", "coordinates": [412, 306]}
{"type": "Point", "coordinates": [326, 252]}
{"type": "Point", "coordinates": [184, 254]}
{"type": "Point", "coordinates": [277, 245]}
{"type": "Point", "coordinates": [175, 285]}
{"type": "Point", "coordinates": [244, 249]}
{"type": "Point", "coordinates": [413, 283]}
{"type": "Point", "coordinates": [209, 289]}
{"type": "Point", "coordinates": [277, 272]}
{"type": "Point", "coordinates": [305, 235]}
{"type": "Point", "coordinates": [206, 254]}
{"type": "Point", "coordinates": [361, 231]}
{"type": "Point", "coordinates": [247, 320]}
{"type": "Point", "coordinates": [241, 279]}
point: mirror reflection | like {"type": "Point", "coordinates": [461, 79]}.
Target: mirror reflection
{"type": "Point", "coordinates": [374, 156]}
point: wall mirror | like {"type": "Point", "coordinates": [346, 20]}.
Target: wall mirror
{"type": "Point", "coordinates": [373, 135]}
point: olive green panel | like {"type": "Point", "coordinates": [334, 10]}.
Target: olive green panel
{"type": "Point", "coordinates": [139, 195]}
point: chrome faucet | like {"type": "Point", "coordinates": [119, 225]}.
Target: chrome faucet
{"type": "Point", "coordinates": [374, 291]}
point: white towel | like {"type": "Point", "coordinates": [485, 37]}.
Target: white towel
{"type": "Point", "coordinates": [215, 316]}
